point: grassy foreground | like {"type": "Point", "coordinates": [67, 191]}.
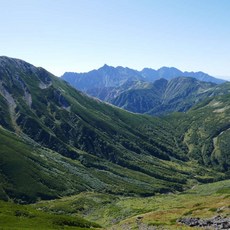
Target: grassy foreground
{"type": "Point", "coordinates": [13, 216]}
{"type": "Point", "coordinates": [161, 211]}
{"type": "Point", "coordinates": [92, 210]}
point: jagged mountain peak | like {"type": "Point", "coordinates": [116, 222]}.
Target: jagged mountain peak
{"type": "Point", "coordinates": [132, 90]}
{"type": "Point", "coordinates": [108, 76]}
{"type": "Point", "coordinates": [106, 67]}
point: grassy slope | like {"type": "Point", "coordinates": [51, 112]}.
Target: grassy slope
{"type": "Point", "coordinates": [117, 212]}
{"type": "Point", "coordinates": [205, 130]}
{"type": "Point", "coordinates": [29, 172]}
{"type": "Point", "coordinates": [15, 217]}
{"type": "Point", "coordinates": [107, 149]}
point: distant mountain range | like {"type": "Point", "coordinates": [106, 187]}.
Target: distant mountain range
{"type": "Point", "coordinates": [108, 76]}
{"type": "Point", "coordinates": [148, 91]}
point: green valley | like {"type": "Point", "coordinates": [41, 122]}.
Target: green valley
{"type": "Point", "coordinates": [69, 161]}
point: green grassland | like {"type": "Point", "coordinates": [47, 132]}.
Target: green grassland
{"type": "Point", "coordinates": [97, 210]}
{"type": "Point", "coordinates": [118, 212]}
{"type": "Point", "coordinates": [15, 217]}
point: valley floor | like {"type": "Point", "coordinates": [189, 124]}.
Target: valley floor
{"type": "Point", "coordinates": [93, 210]}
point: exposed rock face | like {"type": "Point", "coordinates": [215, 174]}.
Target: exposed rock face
{"type": "Point", "coordinates": [216, 222]}
{"type": "Point", "coordinates": [45, 80]}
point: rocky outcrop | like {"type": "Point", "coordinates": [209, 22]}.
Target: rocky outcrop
{"type": "Point", "coordinates": [216, 222]}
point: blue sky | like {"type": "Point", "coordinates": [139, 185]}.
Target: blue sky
{"type": "Point", "coordinates": [81, 35]}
